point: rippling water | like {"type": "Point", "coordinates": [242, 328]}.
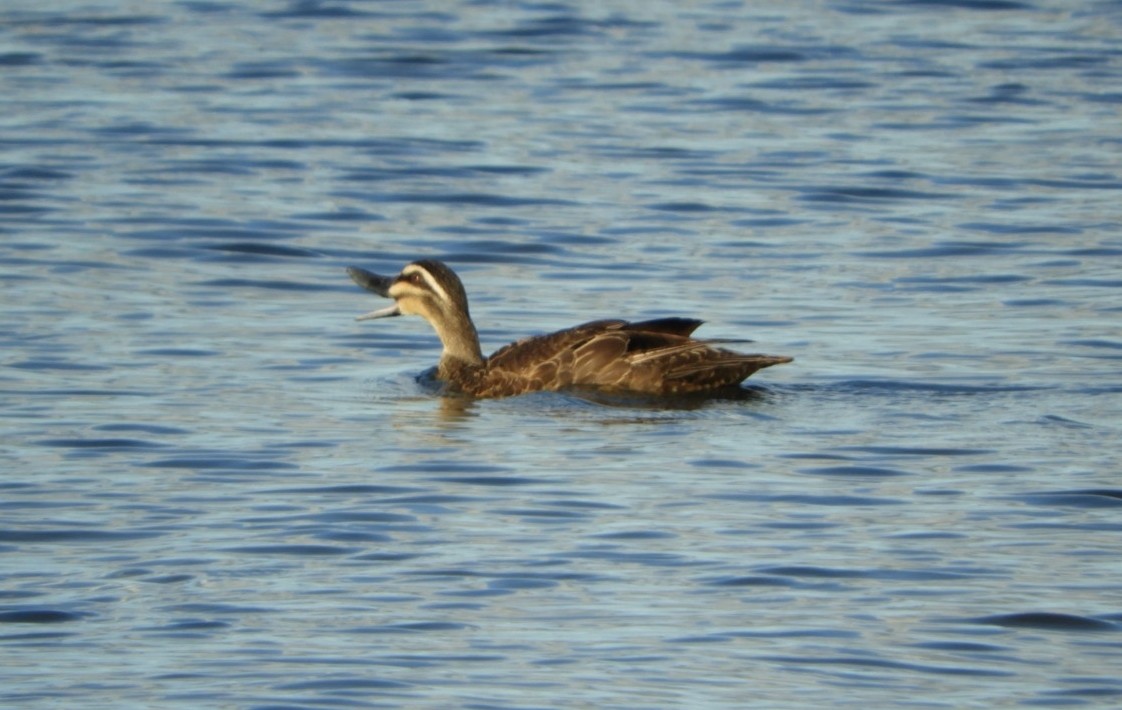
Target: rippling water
{"type": "Point", "coordinates": [220, 491]}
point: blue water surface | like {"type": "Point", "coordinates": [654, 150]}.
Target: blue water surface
{"type": "Point", "coordinates": [221, 491]}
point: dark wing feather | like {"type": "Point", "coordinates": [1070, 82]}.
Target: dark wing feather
{"type": "Point", "coordinates": [683, 327]}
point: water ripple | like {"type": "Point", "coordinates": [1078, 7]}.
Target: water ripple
{"type": "Point", "coordinates": [1047, 621]}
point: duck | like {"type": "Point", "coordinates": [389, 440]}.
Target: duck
{"type": "Point", "coordinates": [651, 357]}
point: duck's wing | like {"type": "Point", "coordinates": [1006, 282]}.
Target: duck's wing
{"type": "Point", "coordinates": [524, 353]}
{"type": "Point", "coordinates": [549, 361]}
{"type": "Point", "coordinates": [539, 348]}
{"type": "Point", "coordinates": [656, 356]}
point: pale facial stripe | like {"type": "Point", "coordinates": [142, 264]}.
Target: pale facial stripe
{"type": "Point", "coordinates": [429, 280]}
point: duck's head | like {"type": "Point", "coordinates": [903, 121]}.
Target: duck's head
{"type": "Point", "coordinates": [427, 288]}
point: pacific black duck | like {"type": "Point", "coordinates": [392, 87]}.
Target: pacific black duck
{"type": "Point", "coordinates": [652, 357]}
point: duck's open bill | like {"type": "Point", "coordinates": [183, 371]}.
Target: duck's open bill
{"type": "Point", "coordinates": [374, 283]}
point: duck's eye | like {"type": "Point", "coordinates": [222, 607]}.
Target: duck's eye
{"type": "Point", "coordinates": [415, 279]}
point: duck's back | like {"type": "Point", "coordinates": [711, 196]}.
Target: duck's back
{"type": "Point", "coordinates": [655, 356]}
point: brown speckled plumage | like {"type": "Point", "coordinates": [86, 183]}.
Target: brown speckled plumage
{"type": "Point", "coordinates": [654, 356]}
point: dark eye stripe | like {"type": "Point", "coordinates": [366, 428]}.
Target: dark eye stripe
{"type": "Point", "coordinates": [422, 279]}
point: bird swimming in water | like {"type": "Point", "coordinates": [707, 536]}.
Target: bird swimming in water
{"type": "Point", "coordinates": [656, 357]}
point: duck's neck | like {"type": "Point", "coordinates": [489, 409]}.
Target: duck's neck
{"type": "Point", "coordinates": [461, 345]}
